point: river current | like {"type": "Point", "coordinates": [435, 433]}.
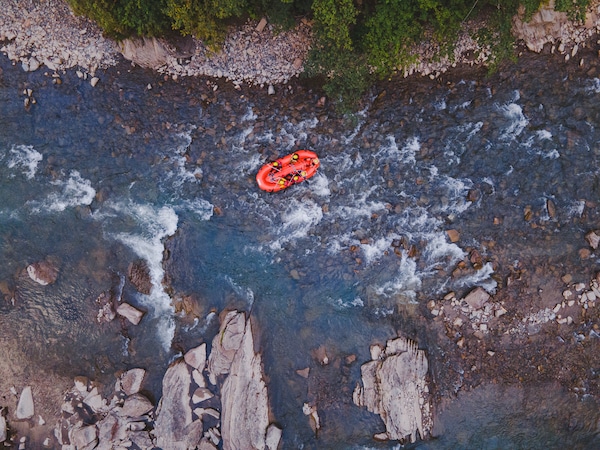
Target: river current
{"type": "Point", "coordinates": [137, 167]}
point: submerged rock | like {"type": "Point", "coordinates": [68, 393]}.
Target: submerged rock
{"type": "Point", "coordinates": [43, 272]}
{"type": "Point", "coordinates": [139, 275]}
{"type": "Point", "coordinates": [394, 387]}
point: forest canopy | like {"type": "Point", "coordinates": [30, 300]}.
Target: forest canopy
{"type": "Point", "coordinates": [355, 40]}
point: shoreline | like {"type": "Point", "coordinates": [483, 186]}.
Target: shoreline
{"type": "Point", "coordinates": [48, 35]}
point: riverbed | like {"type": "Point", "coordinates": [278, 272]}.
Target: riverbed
{"type": "Point", "coordinates": [433, 188]}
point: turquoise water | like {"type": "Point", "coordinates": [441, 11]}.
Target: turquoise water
{"type": "Point", "coordinates": [95, 178]}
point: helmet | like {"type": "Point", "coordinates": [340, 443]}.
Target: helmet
{"type": "Point", "coordinates": [303, 173]}
{"type": "Point", "coordinates": [281, 181]}
{"type": "Point", "coordinates": [275, 164]}
{"type": "Point", "coordinates": [295, 156]}
{"type": "Point", "coordinates": [296, 177]}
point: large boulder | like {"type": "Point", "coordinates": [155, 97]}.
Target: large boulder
{"type": "Point", "coordinates": [147, 52]}
{"type": "Point", "coordinates": [174, 427]}
{"type": "Point", "coordinates": [244, 400]}
{"type": "Point", "coordinates": [394, 386]}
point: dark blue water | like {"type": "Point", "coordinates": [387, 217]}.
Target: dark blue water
{"type": "Point", "coordinates": [95, 178]}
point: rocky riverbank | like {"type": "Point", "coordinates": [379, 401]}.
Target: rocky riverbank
{"type": "Point", "coordinates": [38, 34]}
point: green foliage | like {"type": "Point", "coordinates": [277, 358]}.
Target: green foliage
{"type": "Point", "coordinates": [123, 18]}
{"type": "Point", "coordinates": [201, 19]}
{"type": "Point", "coordinates": [333, 21]}
{"type": "Point", "coordinates": [575, 9]}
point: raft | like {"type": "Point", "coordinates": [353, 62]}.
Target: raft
{"type": "Point", "coordinates": [288, 170]}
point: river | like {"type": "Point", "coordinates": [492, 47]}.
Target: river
{"type": "Point", "coordinates": [138, 167]}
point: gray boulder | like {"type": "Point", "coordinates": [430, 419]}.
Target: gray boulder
{"type": "Point", "coordinates": [174, 427]}
{"type": "Point", "coordinates": [394, 386]}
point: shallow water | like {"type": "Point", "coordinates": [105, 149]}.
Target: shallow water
{"type": "Point", "coordinates": [98, 177]}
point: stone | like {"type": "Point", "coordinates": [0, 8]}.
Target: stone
{"type": "Point", "coordinates": [34, 64]}
{"type": "Point", "coordinates": [271, 90]}
{"type": "Point", "coordinates": [43, 272]}
{"type": "Point", "coordinates": [273, 437]}
{"type": "Point", "coordinates": [244, 401]}
{"type": "Point", "coordinates": [94, 81]}
{"type": "Point", "coordinates": [146, 52]}
{"type": "Point", "coordinates": [477, 298]}
{"type": "Point", "coordinates": [173, 426]}
{"type": "Point", "coordinates": [3, 428]}
{"type": "Point", "coordinates": [138, 274]}
{"type": "Point", "coordinates": [196, 357]}
{"type": "Point", "coordinates": [111, 428]}
{"type": "Point", "coordinates": [81, 437]}
{"type": "Point", "coordinates": [593, 239]}
{"type": "Point", "coordinates": [25, 409]}
{"type": "Point", "coordinates": [261, 25]}
{"type": "Point", "coordinates": [453, 235]}
{"type": "Point", "coordinates": [136, 405]}
{"type": "Point", "coordinates": [130, 382]}
{"type": "Point", "coordinates": [303, 372]}
{"type": "Point", "coordinates": [201, 395]}
{"type": "Point", "coordinates": [395, 388]}
{"type": "Point", "coordinates": [131, 313]}
{"type": "Point", "coordinates": [226, 344]}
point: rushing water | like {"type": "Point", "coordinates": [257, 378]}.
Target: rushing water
{"type": "Point", "coordinates": [95, 178]}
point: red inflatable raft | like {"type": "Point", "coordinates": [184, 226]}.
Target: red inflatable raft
{"type": "Point", "coordinates": [290, 169]}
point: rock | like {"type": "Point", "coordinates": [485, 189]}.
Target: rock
{"type": "Point", "coordinates": [112, 429]}
{"type": "Point", "coordinates": [130, 382]}
{"type": "Point", "coordinates": [303, 372]}
{"type": "Point", "coordinates": [271, 90]}
{"type": "Point", "coordinates": [139, 275]}
{"type": "Point", "coordinates": [395, 388]}
{"type": "Point", "coordinates": [146, 52]}
{"type": "Point", "coordinates": [174, 428]}
{"type": "Point", "coordinates": [25, 409]}
{"type": "Point", "coordinates": [477, 298]}
{"type": "Point", "coordinates": [226, 344]}
{"type": "Point", "coordinates": [3, 427]}
{"type": "Point", "coordinates": [453, 235]}
{"type": "Point", "coordinates": [201, 395]}
{"type": "Point", "coordinates": [261, 25]}
{"type": "Point", "coordinates": [196, 357]}
{"type": "Point", "coordinates": [132, 314]}
{"type": "Point", "coordinates": [34, 64]}
{"type": "Point", "coordinates": [94, 81]}
{"type": "Point", "coordinates": [43, 272]}
{"type": "Point", "coordinates": [81, 437]}
{"type": "Point", "coordinates": [593, 239]}
{"type": "Point", "coordinates": [136, 405]}
{"type": "Point", "coordinates": [273, 437]}
{"type": "Point", "coordinates": [244, 401]}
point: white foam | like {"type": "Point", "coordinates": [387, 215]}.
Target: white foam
{"type": "Point", "coordinates": [406, 282]}
{"type": "Point", "coordinates": [202, 208]}
{"type": "Point", "coordinates": [354, 303]}
{"type": "Point", "coordinates": [404, 155]}
{"type": "Point", "coordinates": [152, 225]}
{"type": "Point", "coordinates": [26, 158]}
{"type": "Point", "coordinates": [374, 251]}
{"type": "Point", "coordinates": [74, 191]}
{"type": "Point", "coordinates": [514, 113]}
{"type": "Point", "coordinates": [481, 277]}
{"type": "Point", "coordinates": [439, 249]}
{"type": "Point", "coordinates": [298, 218]}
